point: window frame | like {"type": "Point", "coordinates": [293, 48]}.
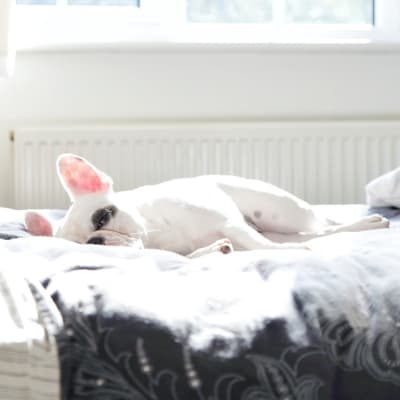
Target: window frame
{"type": "Point", "coordinates": [155, 22]}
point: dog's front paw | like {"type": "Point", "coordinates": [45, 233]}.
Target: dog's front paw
{"type": "Point", "coordinates": [225, 246]}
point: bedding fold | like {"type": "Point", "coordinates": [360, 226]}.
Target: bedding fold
{"type": "Point", "coordinates": [384, 191]}
{"type": "Point", "coordinates": [29, 363]}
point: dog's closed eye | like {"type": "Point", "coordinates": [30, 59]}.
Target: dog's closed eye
{"type": "Point", "coordinates": [103, 216]}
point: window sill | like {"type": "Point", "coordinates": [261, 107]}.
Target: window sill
{"type": "Point", "coordinates": [182, 47]}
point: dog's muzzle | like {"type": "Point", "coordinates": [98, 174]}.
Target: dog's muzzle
{"type": "Point", "coordinates": [111, 238]}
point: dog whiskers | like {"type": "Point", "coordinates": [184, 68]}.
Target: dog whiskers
{"type": "Point", "coordinates": [136, 235]}
{"type": "Point", "coordinates": [140, 235]}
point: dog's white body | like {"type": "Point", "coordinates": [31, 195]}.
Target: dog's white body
{"type": "Point", "coordinates": [190, 216]}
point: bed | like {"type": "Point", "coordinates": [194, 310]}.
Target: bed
{"type": "Point", "coordinates": [95, 322]}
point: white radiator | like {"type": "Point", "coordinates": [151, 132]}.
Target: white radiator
{"type": "Point", "coordinates": [322, 162]}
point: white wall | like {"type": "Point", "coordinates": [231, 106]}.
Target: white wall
{"type": "Point", "coordinates": [234, 83]}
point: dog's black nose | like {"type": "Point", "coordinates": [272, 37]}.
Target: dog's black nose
{"type": "Point", "coordinates": [96, 240]}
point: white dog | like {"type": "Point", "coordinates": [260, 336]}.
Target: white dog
{"type": "Point", "coordinates": [191, 216]}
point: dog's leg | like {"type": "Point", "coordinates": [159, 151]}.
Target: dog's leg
{"type": "Point", "coordinates": [223, 245]}
{"type": "Point", "coordinates": [367, 223]}
{"type": "Point", "coordinates": [244, 237]}
{"type": "Point", "coordinates": [364, 224]}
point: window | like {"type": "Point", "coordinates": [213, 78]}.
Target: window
{"type": "Point", "coordinates": [62, 22]}
{"type": "Point", "coordinates": [49, 22]}
{"type": "Point", "coordinates": [135, 3]}
{"type": "Point", "coordinates": [289, 11]}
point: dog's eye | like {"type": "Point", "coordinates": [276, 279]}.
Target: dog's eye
{"type": "Point", "coordinates": [103, 216]}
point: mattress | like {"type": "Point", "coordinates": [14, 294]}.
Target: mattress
{"type": "Point", "coordinates": [149, 324]}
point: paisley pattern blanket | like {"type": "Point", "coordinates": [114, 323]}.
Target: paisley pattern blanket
{"type": "Point", "coordinates": [149, 324]}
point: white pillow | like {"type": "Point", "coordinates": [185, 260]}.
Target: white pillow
{"type": "Point", "coordinates": [384, 191]}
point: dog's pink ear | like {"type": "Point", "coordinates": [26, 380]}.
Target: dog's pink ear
{"type": "Point", "coordinates": [37, 224]}
{"type": "Point", "coordinates": [80, 177]}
